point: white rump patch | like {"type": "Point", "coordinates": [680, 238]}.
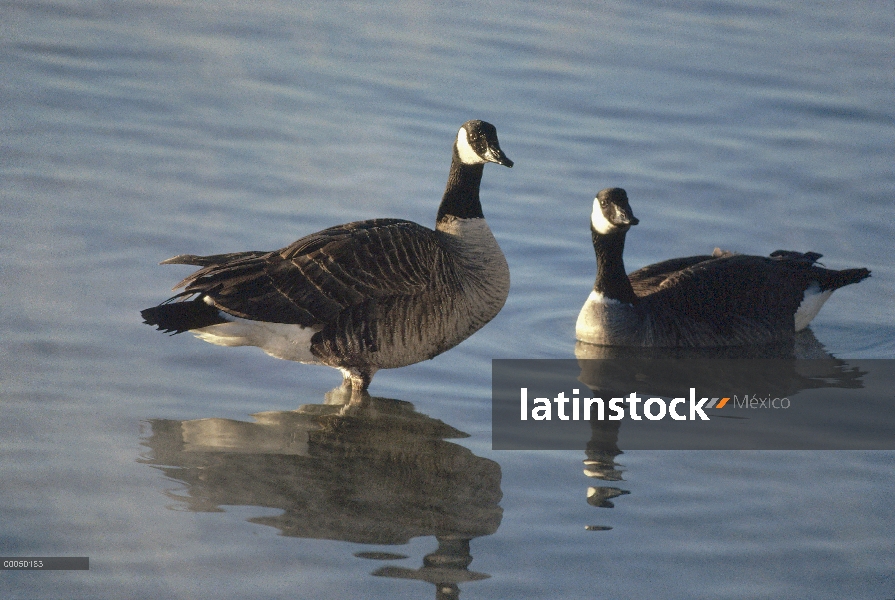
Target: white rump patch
{"type": "Point", "coordinates": [464, 150]}
{"type": "Point", "coordinates": [812, 300]}
{"type": "Point", "coordinates": [281, 340]}
{"type": "Point", "coordinates": [601, 225]}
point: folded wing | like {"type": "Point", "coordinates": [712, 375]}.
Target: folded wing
{"type": "Point", "coordinates": [317, 278]}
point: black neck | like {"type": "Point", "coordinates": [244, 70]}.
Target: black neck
{"type": "Point", "coordinates": [461, 196]}
{"type": "Point", "coordinates": [612, 280]}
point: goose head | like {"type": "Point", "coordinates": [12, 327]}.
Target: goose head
{"type": "Point", "coordinates": [612, 213]}
{"type": "Point", "coordinates": [477, 144]}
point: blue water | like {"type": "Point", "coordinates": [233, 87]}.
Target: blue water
{"type": "Point", "coordinates": [134, 131]}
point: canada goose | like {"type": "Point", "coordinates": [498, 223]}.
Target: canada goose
{"type": "Point", "coordinates": [723, 299]}
{"type": "Point", "coordinates": [363, 296]}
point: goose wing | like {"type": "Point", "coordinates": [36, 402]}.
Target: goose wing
{"type": "Point", "coordinates": [313, 280]}
{"type": "Point", "coordinates": [650, 278]}
{"type": "Point", "coordinates": [735, 289]}
{"type": "Point", "coordinates": [212, 259]}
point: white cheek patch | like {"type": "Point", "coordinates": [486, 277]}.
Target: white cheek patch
{"type": "Point", "coordinates": [464, 150]}
{"type": "Point", "coordinates": [599, 222]}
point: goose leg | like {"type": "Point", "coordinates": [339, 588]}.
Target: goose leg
{"type": "Point", "coordinates": [354, 385]}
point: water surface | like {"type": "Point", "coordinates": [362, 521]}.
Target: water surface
{"type": "Point", "coordinates": [134, 131]}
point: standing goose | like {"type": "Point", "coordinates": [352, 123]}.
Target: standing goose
{"type": "Point", "coordinates": [363, 296]}
{"type": "Point", "coordinates": [724, 299]}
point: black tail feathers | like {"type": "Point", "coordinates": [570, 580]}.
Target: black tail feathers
{"type": "Point", "coordinates": [177, 317]}
{"type": "Point", "coordinates": [827, 278]}
{"type": "Point", "coordinates": [837, 279]}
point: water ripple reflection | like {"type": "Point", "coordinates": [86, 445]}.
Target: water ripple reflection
{"type": "Point", "coordinates": [377, 474]}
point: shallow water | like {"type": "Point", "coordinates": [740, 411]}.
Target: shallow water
{"type": "Point", "coordinates": [134, 131]}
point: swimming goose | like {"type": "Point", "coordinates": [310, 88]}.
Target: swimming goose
{"type": "Point", "coordinates": [363, 296]}
{"type": "Point", "coordinates": [722, 299]}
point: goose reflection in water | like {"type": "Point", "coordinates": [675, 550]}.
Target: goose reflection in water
{"type": "Point", "coordinates": [781, 369]}
{"type": "Point", "coordinates": [380, 473]}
